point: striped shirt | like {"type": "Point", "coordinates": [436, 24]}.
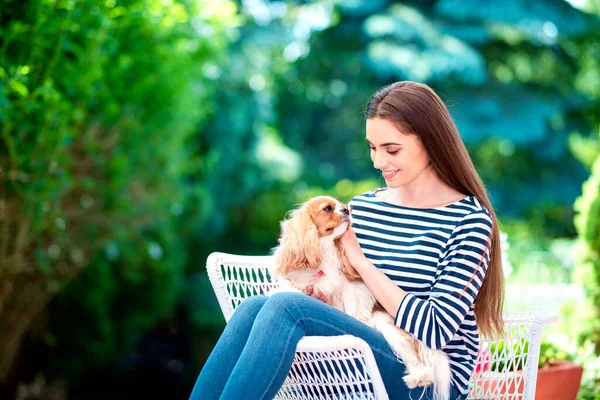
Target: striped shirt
{"type": "Point", "coordinates": [435, 256]}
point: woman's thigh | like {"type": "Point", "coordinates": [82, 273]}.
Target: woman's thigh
{"type": "Point", "coordinates": [319, 319]}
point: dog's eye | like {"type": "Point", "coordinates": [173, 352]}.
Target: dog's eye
{"type": "Point", "coordinates": [328, 209]}
{"type": "Point", "coordinates": [329, 229]}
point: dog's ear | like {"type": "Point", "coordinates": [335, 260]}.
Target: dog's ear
{"type": "Point", "coordinates": [345, 266]}
{"type": "Point", "coordinates": [299, 246]}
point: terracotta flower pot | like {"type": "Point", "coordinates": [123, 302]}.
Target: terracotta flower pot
{"type": "Point", "coordinates": [485, 388]}
{"type": "Point", "coordinates": [558, 381]}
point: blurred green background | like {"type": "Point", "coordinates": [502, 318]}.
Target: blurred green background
{"type": "Point", "coordinates": [136, 137]}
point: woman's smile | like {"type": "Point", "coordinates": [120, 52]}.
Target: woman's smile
{"type": "Point", "coordinates": [389, 174]}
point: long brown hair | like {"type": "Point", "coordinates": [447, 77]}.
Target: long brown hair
{"type": "Point", "coordinates": [415, 108]}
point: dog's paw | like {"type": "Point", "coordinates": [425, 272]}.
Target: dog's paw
{"type": "Point", "coordinates": [372, 323]}
{"type": "Point", "coordinates": [376, 324]}
{"type": "Point", "coordinates": [422, 376]}
{"type": "Point", "coordinates": [363, 317]}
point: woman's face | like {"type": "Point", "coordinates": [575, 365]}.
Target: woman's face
{"type": "Point", "coordinates": [400, 157]}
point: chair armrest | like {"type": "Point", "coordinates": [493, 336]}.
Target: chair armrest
{"type": "Point", "coordinates": [533, 317]}
{"type": "Point", "coordinates": [347, 350]}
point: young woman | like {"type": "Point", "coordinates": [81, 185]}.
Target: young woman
{"type": "Point", "coordinates": [427, 245]}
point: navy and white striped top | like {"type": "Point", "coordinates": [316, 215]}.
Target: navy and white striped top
{"type": "Point", "coordinates": [435, 256]}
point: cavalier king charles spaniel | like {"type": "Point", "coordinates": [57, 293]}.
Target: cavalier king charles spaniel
{"type": "Point", "coordinates": [310, 254]}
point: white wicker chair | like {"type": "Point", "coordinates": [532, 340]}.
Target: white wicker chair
{"type": "Point", "coordinates": [506, 368]}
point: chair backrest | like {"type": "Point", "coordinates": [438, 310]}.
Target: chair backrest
{"type": "Point", "coordinates": [234, 278]}
{"type": "Point", "coordinates": [506, 367]}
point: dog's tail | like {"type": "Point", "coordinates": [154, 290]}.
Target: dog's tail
{"type": "Point", "coordinates": [438, 360]}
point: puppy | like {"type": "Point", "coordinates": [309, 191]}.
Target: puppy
{"type": "Point", "coordinates": [309, 253]}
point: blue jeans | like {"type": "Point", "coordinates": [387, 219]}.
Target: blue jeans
{"type": "Point", "coordinates": [256, 350]}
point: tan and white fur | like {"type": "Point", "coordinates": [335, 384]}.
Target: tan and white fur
{"type": "Point", "coordinates": [309, 253]}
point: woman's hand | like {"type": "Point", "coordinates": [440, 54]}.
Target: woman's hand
{"type": "Point", "coordinates": [352, 249]}
{"type": "Point", "coordinates": [317, 294]}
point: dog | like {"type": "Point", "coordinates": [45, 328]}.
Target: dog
{"type": "Point", "coordinates": [310, 254]}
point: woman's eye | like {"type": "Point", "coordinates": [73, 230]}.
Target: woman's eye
{"type": "Point", "coordinates": [328, 208]}
{"type": "Point", "coordinates": [393, 152]}
{"type": "Point", "coordinates": [372, 148]}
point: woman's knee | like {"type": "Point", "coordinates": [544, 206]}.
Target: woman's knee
{"type": "Point", "coordinates": [285, 299]}
{"type": "Point", "coordinates": [251, 305]}
{"type": "Point", "coordinates": [293, 304]}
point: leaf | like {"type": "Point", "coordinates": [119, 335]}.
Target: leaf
{"type": "Point", "coordinates": [18, 87]}
{"type": "Point", "coordinates": [528, 15]}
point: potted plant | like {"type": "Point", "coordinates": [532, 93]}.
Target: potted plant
{"type": "Point", "coordinates": [558, 377]}
{"type": "Point", "coordinates": [498, 370]}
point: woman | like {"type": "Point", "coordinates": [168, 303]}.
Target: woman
{"type": "Point", "coordinates": [427, 246]}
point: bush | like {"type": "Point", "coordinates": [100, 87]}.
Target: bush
{"type": "Point", "coordinates": [587, 222]}
{"type": "Point", "coordinates": [99, 106]}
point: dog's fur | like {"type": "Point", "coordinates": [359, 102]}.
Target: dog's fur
{"type": "Point", "coordinates": [309, 253]}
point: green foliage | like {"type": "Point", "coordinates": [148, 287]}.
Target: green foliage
{"type": "Point", "coordinates": [585, 149]}
{"type": "Point", "coordinates": [537, 258]}
{"type": "Point", "coordinates": [590, 381]}
{"type": "Point", "coordinates": [551, 352]}
{"type": "Point", "coordinates": [561, 347]}
{"type": "Point", "coordinates": [587, 222]}
{"type": "Point", "coordinates": [562, 15]}
{"type": "Point", "coordinates": [138, 136]}
{"type": "Point", "coordinates": [100, 105]}
{"type": "Point", "coordinates": [501, 351]}
{"type": "Point", "coordinates": [553, 349]}
{"type": "Point", "coordinates": [138, 277]}
{"type": "Point", "coordinates": [264, 212]}
{"type": "Point", "coordinates": [513, 83]}
{"type": "Point", "coordinates": [404, 40]}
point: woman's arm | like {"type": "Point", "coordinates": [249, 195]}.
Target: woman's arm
{"type": "Point", "coordinates": [434, 320]}
{"type": "Point", "coordinates": [387, 293]}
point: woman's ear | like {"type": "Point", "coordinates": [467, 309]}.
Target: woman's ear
{"type": "Point", "coordinates": [299, 245]}
{"type": "Point", "coordinates": [347, 269]}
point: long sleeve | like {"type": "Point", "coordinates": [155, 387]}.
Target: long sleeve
{"type": "Point", "coordinates": [459, 276]}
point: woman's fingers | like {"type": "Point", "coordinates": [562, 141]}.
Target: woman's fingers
{"type": "Point", "coordinates": [308, 290]}
{"type": "Point", "coordinates": [349, 239]}
{"type": "Point", "coordinates": [317, 294]}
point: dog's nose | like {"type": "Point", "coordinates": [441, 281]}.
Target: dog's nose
{"type": "Point", "coordinates": [345, 211]}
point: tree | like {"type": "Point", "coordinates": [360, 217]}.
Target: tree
{"type": "Point", "coordinates": [512, 77]}
{"type": "Point", "coordinates": [587, 222]}
{"type": "Point", "coordinates": [99, 100]}
{"type": "Point", "coordinates": [138, 136]}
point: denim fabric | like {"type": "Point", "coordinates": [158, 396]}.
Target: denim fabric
{"type": "Point", "coordinates": [256, 350]}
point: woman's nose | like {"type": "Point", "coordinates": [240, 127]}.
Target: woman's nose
{"type": "Point", "coordinates": [379, 160]}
